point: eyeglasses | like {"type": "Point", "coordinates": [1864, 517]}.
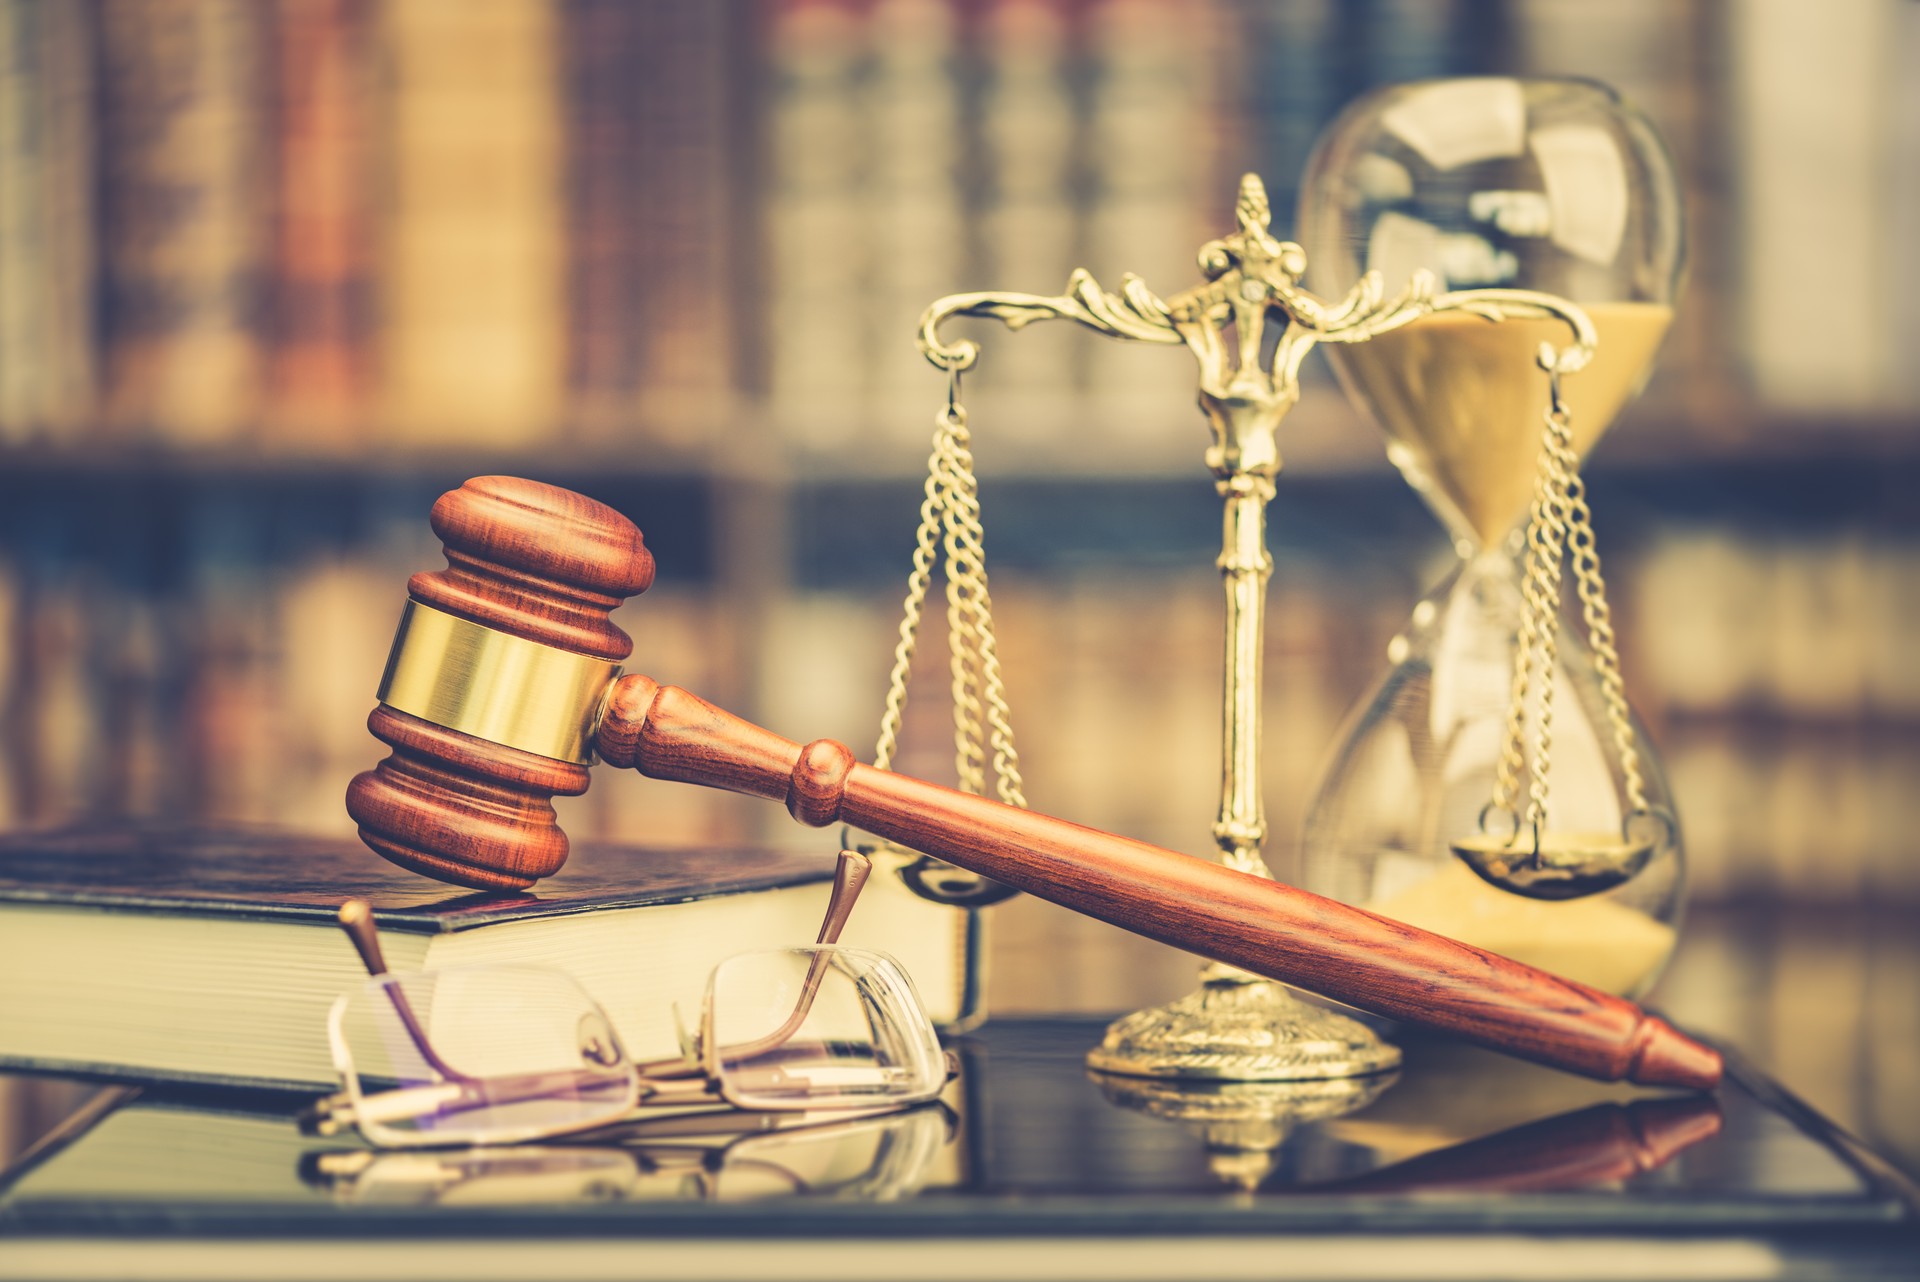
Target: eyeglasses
{"type": "Point", "coordinates": [491, 1055]}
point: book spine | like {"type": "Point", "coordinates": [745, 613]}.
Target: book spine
{"type": "Point", "coordinates": [22, 176]}
{"type": "Point", "coordinates": [602, 46]}
{"type": "Point", "coordinates": [186, 226]}
{"type": "Point", "coordinates": [1030, 136]}
{"type": "Point", "coordinates": [686, 85]}
{"type": "Point", "coordinates": [47, 348]}
{"type": "Point", "coordinates": [1813, 88]}
{"type": "Point", "coordinates": [1157, 198]}
{"type": "Point", "coordinates": [323, 228]}
{"type": "Point", "coordinates": [818, 244]}
{"type": "Point", "coordinates": [334, 624]}
{"type": "Point", "coordinates": [917, 209]}
{"type": "Point", "coordinates": [14, 742]}
{"type": "Point", "coordinates": [1292, 93]}
{"type": "Point", "coordinates": [228, 727]}
{"type": "Point", "coordinates": [1651, 52]}
{"type": "Point", "coordinates": [1903, 209]}
{"type": "Point", "coordinates": [472, 275]}
{"type": "Point", "coordinates": [54, 713]}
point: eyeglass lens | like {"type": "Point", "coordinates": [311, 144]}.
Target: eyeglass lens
{"type": "Point", "coordinates": [487, 1055]}
{"type": "Point", "coordinates": [826, 1027]}
{"type": "Point", "coordinates": [875, 1158]}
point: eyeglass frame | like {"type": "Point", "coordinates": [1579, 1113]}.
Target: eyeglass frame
{"type": "Point", "coordinates": [690, 1079]}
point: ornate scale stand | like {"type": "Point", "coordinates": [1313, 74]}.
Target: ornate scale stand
{"type": "Point", "coordinates": [1236, 1027]}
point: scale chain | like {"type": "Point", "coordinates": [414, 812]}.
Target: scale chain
{"type": "Point", "coordinates": [1560, 524]}
{"type": "Point", "coordinates": [950, 522]}
{"type": "Point", "coordinates": [1599, 620]}
{"type": "Point", "coordinates": [926, 547]}
{"type": "Point", "coordinates": [963, 631]}
{"type": "Point", "coordinates": [967, 581]}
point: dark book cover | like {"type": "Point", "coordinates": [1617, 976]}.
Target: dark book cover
{"type": "Point", "coordinates": [271, 874]}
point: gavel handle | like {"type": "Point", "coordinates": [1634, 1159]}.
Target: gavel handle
{"type": "Point", "coordinates": [1270, 929]}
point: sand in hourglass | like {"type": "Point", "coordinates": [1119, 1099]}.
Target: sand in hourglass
{"type": "Point", "coordinates": [1460, 399]}
{"type": "Point", "coordinates": [1592, 941]}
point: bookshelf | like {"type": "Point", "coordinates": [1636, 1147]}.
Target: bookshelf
{"type": "Point", "coordinates": [271, 283]}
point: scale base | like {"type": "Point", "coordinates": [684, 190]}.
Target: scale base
{"type": "Point", "coordinates": [1238, 1028]}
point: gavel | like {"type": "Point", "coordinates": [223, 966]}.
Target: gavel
{"type": "Point", "coordinates": [504, 680]}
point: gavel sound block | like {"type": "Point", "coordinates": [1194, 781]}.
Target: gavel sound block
{"type": "Point", "coordinates": [504, 680]}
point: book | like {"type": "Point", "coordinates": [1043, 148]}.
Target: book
{"type": "Point", "coordinates": [817, 229]}
{"type": "Point", "coordinates": [320, 372]}
{"type": "Point", "coordinates": [185, 217]}
{"type": "Point", "coordinates": [1806, 88]}
{"type": "Point", "coordinates": [649, 94]}
{"type": "Point", "coordinates": [472, 263]}
{"type": "Point", "coordinates": [601, 43]}
{"type": "Point", "coordinates": [212, 954]}
{"type": "Point", "coordinates": [914, 143]}
{"type": "Point", "coordinates": [1028, 135]}
{"type": "Point", "coordinates": [689, 74]}
{"type": "Point", "coordinates": [46, 218]}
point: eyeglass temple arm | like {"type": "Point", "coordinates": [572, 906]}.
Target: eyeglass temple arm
{"type": "Point", "coordinates": [356, 919]}
{"type": "Point", "coordinates": [334, 1113]}
{"type": "Point", "coordinates": [849, 879]}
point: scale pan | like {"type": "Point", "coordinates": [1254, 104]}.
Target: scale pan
{"type": "Point", "coordinates": [1567, 865]}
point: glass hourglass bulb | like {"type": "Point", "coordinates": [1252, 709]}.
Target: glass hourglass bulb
{"type": "Point", "coordinates": [1555, 186]}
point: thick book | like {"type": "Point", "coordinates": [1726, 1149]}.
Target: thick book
{"type": "Point", "coordinates": [213, 954]}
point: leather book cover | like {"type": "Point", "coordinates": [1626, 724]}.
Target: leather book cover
{"type": "Point", "coordinates": [272, 874]}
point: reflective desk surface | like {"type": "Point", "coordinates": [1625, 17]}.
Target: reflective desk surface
{"type": "Point", "coordinates": [1466, 1165]}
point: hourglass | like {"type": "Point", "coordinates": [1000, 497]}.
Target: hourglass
{"type": "Point", "coordinates": [1494, 785]}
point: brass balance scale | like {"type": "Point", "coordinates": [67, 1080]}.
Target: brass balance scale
{"type": "Point", "coordinates": [1490, 395]}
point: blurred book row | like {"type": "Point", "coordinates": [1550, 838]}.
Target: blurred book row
{"type": "Point", "coordinates": [305, 221]}
{"type": "Point", "coordinates": [241, 695]}
{"type": "Point", "coordinates": [921, 149]}
{"type": "Point", "coordinates": [520, 225]}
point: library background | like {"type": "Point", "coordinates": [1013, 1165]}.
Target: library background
{"type": "Point", "coordinates": [272, 276]}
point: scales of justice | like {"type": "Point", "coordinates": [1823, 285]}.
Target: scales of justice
{"type": "Point", "coordinates": [1505, 255]}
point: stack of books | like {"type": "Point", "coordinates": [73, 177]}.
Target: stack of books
{"type": "Point", "coordinates": [212, 955]}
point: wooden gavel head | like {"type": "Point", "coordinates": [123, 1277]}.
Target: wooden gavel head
{"type": "Point", "coordinates": [498, 675]}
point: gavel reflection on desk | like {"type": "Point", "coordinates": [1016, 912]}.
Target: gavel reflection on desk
{"type": "Point", "coordinates": [504, 681]}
